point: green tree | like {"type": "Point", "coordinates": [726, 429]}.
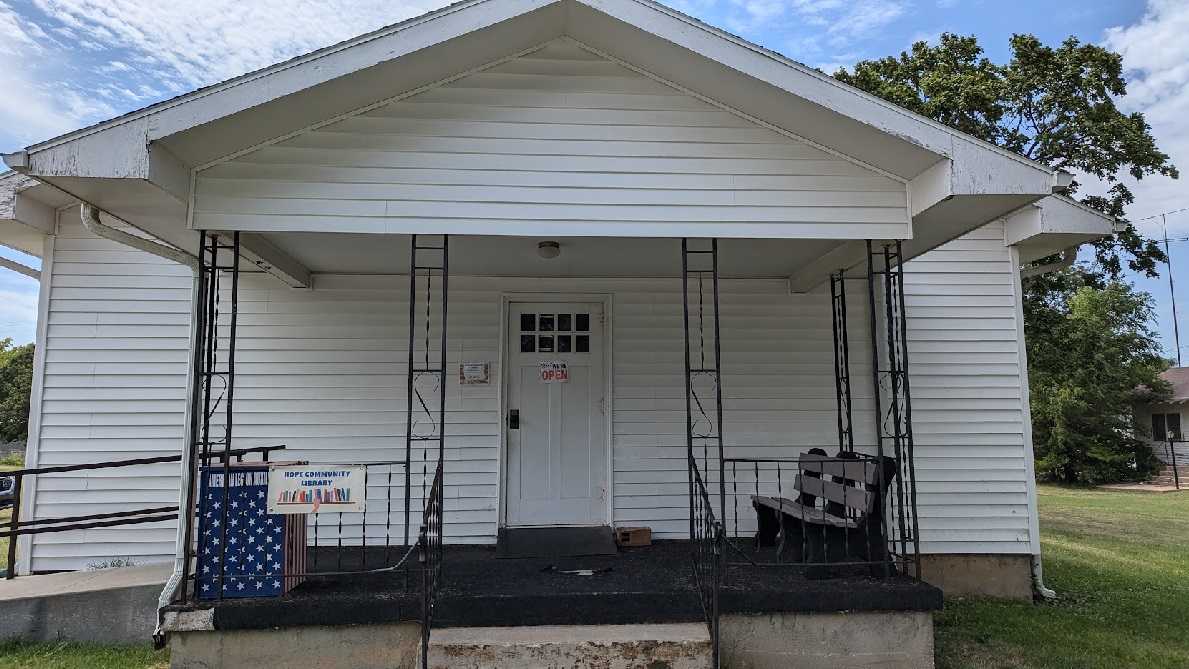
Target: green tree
{"type": "Point", "coordinates": [16, 383]}
{"type": "Point", "coordinates": [1088, 338]}
{"type": "Point", "coordinates": [1096, 360]}
{"type": "Point", "coordinates": [1053, 105]}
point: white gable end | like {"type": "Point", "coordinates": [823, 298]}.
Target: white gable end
{"type": "Point", "coordinates": [559, 140]}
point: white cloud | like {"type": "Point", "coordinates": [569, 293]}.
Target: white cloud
{"type": "Point", "coordinates": [214, 40]}
{"type": "Point", "coordinates": [843, 20]}
{"type": "Point", "coordinates": [1156, 57]}
{"type": "Point", "coordinates": [89, 60]}
{"type": "Point", "coordinates": [826, 33]}
{"type": "Point", "coordinates": [32, 108]}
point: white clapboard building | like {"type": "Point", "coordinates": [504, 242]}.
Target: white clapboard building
{"type": "Point", "coordinates": [584, 161]}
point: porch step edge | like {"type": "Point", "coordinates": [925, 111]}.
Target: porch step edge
{"type": "Point", "coordinates": [545, 634]}
{"type": "Point", "coordinates": [660, 646]}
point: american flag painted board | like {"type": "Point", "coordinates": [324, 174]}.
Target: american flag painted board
{"type": "Point", "coordinates": [240, 544]}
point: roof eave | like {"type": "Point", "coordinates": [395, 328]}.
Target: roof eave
{"type": "Point", "coordinates": [120, 148]}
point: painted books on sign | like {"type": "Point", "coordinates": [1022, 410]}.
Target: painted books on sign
{"type": "Point", "coordinates": [316, 489]}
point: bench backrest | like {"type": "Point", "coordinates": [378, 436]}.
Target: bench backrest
{"type": "Point", "coordinates": [851, 483]}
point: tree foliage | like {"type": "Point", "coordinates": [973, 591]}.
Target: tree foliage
{"type": "Point", "coordinates": [1053, 105]}
{"type": "Point", "coordinates": [1094, 359]}
{"type": "Point", "coordinates": [1088, 336]}
{"type": "Point", "coordinates": [16, 382]}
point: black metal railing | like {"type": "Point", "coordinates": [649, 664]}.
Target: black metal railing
{"type": "Point", "coordinates": [367, 541]}
{"type": "Point", "coordinates": [17, 526]}
{"type": "Point", "coordinates": [708, 541]}
{"type": "Point", "coordinates": [1172, 458]}
{"type": "Point", "coordinates": [429, 541]}
{"type": "Point", "coordinates": [826, 511]}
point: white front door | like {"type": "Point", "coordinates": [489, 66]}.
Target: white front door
{"type": "Point", "coordinates": [556, 466]}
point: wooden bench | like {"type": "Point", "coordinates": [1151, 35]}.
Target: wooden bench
{"type": "Point", "coordinates": [838, 513]}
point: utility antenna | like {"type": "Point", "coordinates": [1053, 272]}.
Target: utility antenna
{"type": "Point", "coordinates": [1172, 294]}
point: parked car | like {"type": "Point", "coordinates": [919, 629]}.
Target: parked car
{"type": "Point", "coordinates": [7, 483]}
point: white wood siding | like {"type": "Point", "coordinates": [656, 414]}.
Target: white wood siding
{"type": "Point", "coordinates": [116, 350]}
{"type": "Point", "coordinates": [966, 397]}
{"type": "Point", "coordinates": [558, 140]}
{"type": "Point", "coordinates": [323, 372]}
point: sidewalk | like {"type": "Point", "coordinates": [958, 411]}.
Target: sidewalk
{"type": "Point", "coordinates": [1144, 487]}
{"type": "Point", "coordinates": [103, 605]}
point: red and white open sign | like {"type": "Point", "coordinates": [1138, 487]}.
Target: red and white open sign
{"type": "Point", "coordinates": [555, 372]}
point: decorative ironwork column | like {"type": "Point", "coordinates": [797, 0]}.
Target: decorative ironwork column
{"type": "Point", "coordinates": [212, 388]}
{"type": "Point", "coordinates": [703, 424]}
{"type": "Point", "coordinates": [426, 382]}
{"type": "Point", "coordinates": [425, 413]}
{"type": "Point", "coordinates": [892, 397]}
{"type": "Point", "coordinates": [838, 313]}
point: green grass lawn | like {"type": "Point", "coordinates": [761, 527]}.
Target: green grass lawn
{"type": "Point", "coordinates": [62, 655]}
{"type": "Point", "coordinates": [1119, 562]}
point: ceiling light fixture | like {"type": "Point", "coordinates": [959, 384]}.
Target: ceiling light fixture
{"type": "Point", "coordinates": [548, 250]}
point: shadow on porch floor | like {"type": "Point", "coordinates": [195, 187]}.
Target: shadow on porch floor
{"type": "Point", "coordinates": [652, 584]}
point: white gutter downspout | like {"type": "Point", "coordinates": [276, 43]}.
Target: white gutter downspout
{"type": "Point", "coordinates": [90, 216]}
{"type": "Point", "coordinates": [1067, 258]}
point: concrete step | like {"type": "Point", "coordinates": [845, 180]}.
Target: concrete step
{"type": "Point", "coordinates": [1164, 477]}
{"type": "Point", "coordinates": [680, 646]}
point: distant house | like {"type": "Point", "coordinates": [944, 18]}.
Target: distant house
{"type": "Point", "coordinates": [673, 262]}
{"type": "Point", "coordinates": [1165, 419]}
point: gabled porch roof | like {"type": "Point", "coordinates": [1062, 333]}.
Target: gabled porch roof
{"type": "Point", "coordinates": [140, 167]}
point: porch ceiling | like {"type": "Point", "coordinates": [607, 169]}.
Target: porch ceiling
{"type": "Point", "coordinates": [335, 253]}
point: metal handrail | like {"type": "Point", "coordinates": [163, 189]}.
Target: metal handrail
{"type": "Point", "coordinates": [707, 540]}
{"type": "Point", "coordinates": [430, 541]}
{"type": "Point", "coordinates": [17, 527]}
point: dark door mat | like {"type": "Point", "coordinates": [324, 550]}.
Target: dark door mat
{"type": "Point", "coordinates": [538, 542]}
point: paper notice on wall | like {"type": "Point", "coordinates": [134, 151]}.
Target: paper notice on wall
{"type": "Point", "coordinates": [555, 372]}
{"type": "Point", "coordinates": [474, 373]}
{"type": "Point", "coordinates": [315, 489]}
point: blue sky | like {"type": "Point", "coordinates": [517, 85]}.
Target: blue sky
{"type": "Point", "coordinates": [65, 64]}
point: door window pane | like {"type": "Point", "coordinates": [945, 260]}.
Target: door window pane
{"type": "Point", "coordinates": [582, 343]}
{"type": "Point", "coordinates": [528, 322]}
{"type": "Point", "coordinates": [546, 321]}
{"type": "Point", "coordinates": [563, 322]}
{"type": "Point", "coordinates": [528, 344]}
{"type": "Point", "coordinates": [545, 344]}
{"type": "Point", "coordinates": [582, 322]}
{"type": "Point", "coordinates": [563, 343]}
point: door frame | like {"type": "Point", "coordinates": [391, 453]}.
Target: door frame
{"type": "Point", "coordinates": [506, 300]}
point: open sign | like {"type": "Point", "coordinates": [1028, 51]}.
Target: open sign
{"type": "Point", "coordinates": [555, 372]}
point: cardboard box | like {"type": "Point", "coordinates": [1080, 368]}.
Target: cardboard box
{"type": "Point", "coordinates": [633, 536]}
